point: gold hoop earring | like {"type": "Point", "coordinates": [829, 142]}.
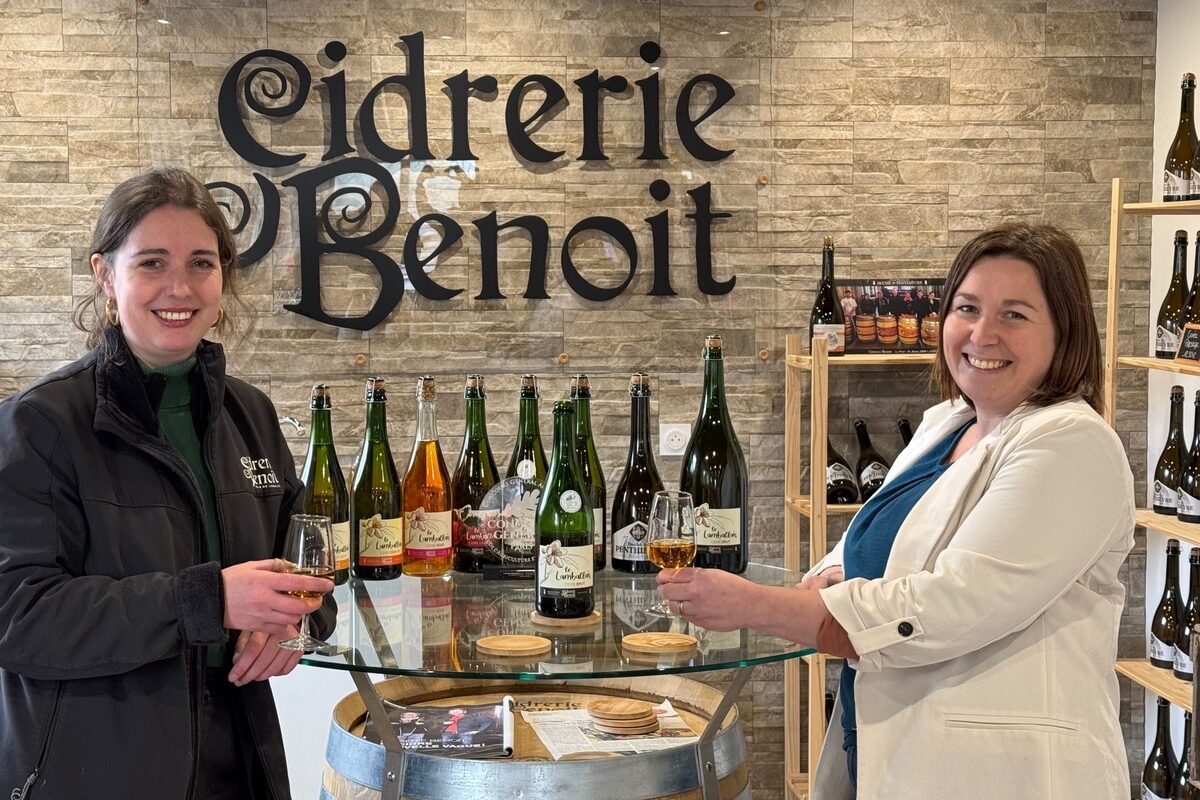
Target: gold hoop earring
{"type": "Point", "coordinates": [111, 314]}
{"type": "Point", "coordinates": [220, 317]}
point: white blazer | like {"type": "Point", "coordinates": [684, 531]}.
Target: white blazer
{"type": "Point", "coordinates": [986, 651]}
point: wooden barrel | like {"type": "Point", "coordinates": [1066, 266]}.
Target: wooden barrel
{"type": "Point", "coordinates": [849, 334]}
{"type": "Point", "coordinates": [929, 330]}
{"type": "Point", "coordinates": [907, 326]}
{"type": "Point", "coordinates": [354, 766]}
{"type": "Point", "coordinates": [887, 329]}
{"type": "Point", "coordinates": [864, 327]}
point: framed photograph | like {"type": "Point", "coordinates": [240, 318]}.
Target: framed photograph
{"type": "Point", "coordinates": [891, 316]}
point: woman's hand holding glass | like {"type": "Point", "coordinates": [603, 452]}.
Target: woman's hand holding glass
{"type": "Point", "coordinates": [309, 551]}
{"type": "Point", "coordinates": [671, 539]}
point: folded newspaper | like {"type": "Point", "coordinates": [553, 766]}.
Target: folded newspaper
{"type": "Point", "coordinates": [564, 732]}
{"type": "Point", "coordinates": [468, 731]}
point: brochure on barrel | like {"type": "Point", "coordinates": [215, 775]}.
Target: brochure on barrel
{"type": "Point", "coordinates": [469, 731]}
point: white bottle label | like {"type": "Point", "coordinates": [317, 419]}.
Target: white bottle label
{"type": "Point", "coordinates": [1183, 662]}
{"type": "Point", "coordinates": [1165, 496]}
{"type": "Point", "coordinates": [1149, 795]}
{"type": "Point", "coordinates": [1188, 506]}
{"type": "Point", "coordinates": [1165, 341]}
{"type": "Point", "coordinates": [629, 543]}
{"type": "Point", "coordinates": [873, 473]}
{"type": "Point", "coordinates": [1175, 186]}
{"type": "Point", "coordinates": [718, 527]}
{"type": "Point", "coordinates": [525, 469]}
{"type": "Point", "coordinates": [838, 472]}
{"type": "Point", "coordinates": [564, 567]}
{"type": "Point", "coordinates": [835, 335]}
{"type": "Point", "coordinates": [570, 501]}
{"type": "Point", "coordinates": [341, 544]}
{"type": "Point", "coordinates": [380, 541]}
{"type": "Point", "coordinates": [1160, 650]}
{"type": "Point", "coordinates": [597, 526]}
{"type": "Point", "coordinates": [427, 534]}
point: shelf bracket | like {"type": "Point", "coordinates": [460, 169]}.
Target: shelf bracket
{"type": "Point", "coordinates": [393, 759]}
{"type": "Point", "coordinates": [706, 762]}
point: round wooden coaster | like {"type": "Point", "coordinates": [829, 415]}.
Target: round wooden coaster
{"type": "Point", "coordinates": [620, 708]}
{"type": "Point", "coordinates": [658, 642]}
{"type": "Point", "coordinates": [588, 621]}
{"type": "Point", "coordinates": [650, 728]}
{"type": "Point", "coordinates": [513, 645]}
{"type": "Point", "coordinates": [640, 722]}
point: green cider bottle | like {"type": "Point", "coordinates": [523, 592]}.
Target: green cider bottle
{"type": "Point", "coordinates": [714, 473]}
{"type": "Point", "coordinates": [589, 466]}
{"type": "Point", "coordinates": [528, 459]}
{"type": "Point", "coordinates": [377, 515]}
{"type": "Point", "coordinates": [324, 485]}
{"type": "Point", "coordinates": [475, 474]}
{"type": "Point", "coordinates": [564, 578]}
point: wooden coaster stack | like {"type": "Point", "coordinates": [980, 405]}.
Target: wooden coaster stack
{"type": "Point", "coordinates": [623, 717]}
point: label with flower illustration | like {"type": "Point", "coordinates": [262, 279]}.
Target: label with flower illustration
{"type": "Point", "coordinates": [718, 527]}
{"type": "Point", "coordinates": [380, 541]}
{"type": "Point", "coordinates": [562, 567]}
{"type": "Point", "coordinates": [427, 534]}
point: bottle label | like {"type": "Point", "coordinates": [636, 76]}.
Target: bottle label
{"type": "Point", "coordinates": [1165, 341]}
{"type": "Point", "coordinates": [474, 529]}
{"type": "Point", "coordinates": [873, 473]}
{"type": "Point", "coordinates": [1188, 506]}
{"type": "Point", "coordinates": [718, 527]}
{"type": "Point", "coordinates": [1175, 185]}
{"type": "Point", "coordinates": [629, 543]}
{"type": "Point", "coordinates": [1148, 794]}
{"type": "Point", "coordinates": [598, 527]}
{"type": "Point", "coordinates": [838, 472]}
{"type": "Point", "coordinates": [1160, 650]}
{"type": "Point", "coordinates": [564, 568]}
{"type": "Point", "coordinates": [1165, 496]}
{"type": "Point", "coordinates": [427, 534]}
{"type": "Point", "coordinates": [380, 541]}
{"type": "Point", "coordinates": [525, 469]}
{"type": "Point", "coordinates": [1183, 662]}
{"type": "Point", "coordinates": [341, 545]}
{"type": "Point", "coordinates": [835, 335]}
{"type": "Point", "coordinates": [570, 501]}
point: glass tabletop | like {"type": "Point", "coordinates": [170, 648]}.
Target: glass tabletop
{"type": "Point", "coordinates": [432, 626]}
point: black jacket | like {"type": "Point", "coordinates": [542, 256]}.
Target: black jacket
{"type": "Point", "coordinates": [106, 594]}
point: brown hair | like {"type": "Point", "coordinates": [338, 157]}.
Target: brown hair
{"type": "Point", "coordinates": [126, 206]}
{"type": "Point", "coordinates": [1077, 370]}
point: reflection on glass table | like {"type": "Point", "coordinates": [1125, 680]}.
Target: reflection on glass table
{"type": "Point", "coordinates": [430, 626]}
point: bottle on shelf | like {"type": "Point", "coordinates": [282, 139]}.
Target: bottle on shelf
{"type": "Point", "coordinates": [840, 486]}
{"type": "Point", "coordinates": [324, 484]}
{"type": "Point", "coordinates": [376, 513]}
{"type": "Point", "coordinates": [1174, 305]}
{"type": "Point", "coordinates": [1189, 621]}
{"type": "Point", "coordinates": [827, 318]}
{"type": "Point", "coordinates": [1179, 177]}
{"type": "Point", "coordinates": [1181, 785]}
{"type": "Point", "coordinates": [714, 473]}
{"type": "Point", "coordinates": [589, 466]}
{"type": "Point", "coordinates": [1161, 765]}
{"type": "Point", "coordinates": [1169, 469]}
{"type": "Point", "coordinates": [872, 468]}
{"type": "Point", "coordinates": [428, 501]}
{"type": "Point", "coordinates": [528, 460]}
{"type": "Point", "coordinates": [905, 428]}
{"type": "Point", "coordinates": [1164, 625]}
{"type": "Point", "coordinates": [564, 577]}
{"type": "Point", "coordinates": [475, 474]}
{"type": "Point", "coordinates": [1188, 508]}
{"type": "Point", "coordinates": [635, 490]}
{"type": "Point", "coordinates": [1191, 306]}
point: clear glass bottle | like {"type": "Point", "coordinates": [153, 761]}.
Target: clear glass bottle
{"type": "Point", "coordinates": [428, 499]}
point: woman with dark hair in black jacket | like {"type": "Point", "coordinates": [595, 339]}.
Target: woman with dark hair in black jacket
{"type": "Point", "coordinates": [144, 495]}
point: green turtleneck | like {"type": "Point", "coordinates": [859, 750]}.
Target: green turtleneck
{"type": "Point", "coordinates": [179, 425]}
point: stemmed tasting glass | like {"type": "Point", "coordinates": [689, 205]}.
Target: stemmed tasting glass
{"type": "Point", "coordinates": [308, 550]}
{"type": "Point", "coordinates": [671, 539]}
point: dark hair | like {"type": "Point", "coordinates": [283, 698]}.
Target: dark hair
{"type": "Point", "coordinates": [128, 205]}
{"type": "Point", "coordinates": [1077, 370]}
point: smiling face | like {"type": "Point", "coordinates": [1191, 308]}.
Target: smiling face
{"type": "Point", "coordinates": [166, 280]}
{"type": "Point", "coordinates": [998, 338]}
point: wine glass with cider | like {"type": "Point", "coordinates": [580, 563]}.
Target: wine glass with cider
{"type": "Point", "coordinates": [308, 550]}
{"type": "Point", "coordinates": [671, 538]}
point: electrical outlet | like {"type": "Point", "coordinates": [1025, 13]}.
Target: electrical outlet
{"type": "Point", "coordinates": [673, 438]}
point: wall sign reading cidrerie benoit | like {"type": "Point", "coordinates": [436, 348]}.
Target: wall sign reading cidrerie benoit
{"type": "Point", "coordinates": [340, 161]}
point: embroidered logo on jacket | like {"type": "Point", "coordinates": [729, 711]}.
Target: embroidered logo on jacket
{"type": "Point", "coordinates": [259, 472]}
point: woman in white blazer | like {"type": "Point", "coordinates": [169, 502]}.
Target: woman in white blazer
{"type": "Point", "coordinates": [981, 647]}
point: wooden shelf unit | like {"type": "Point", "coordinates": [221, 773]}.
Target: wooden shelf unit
{"type": "Point", "coordinates": [1161, 682]}
{"type": "Point", "coordinates": [1187, 531]}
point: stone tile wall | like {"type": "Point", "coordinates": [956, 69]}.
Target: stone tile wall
{"type": "Point", "coordinates": [901, 127]}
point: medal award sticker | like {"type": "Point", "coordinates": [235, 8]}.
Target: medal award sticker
{"type": "Point", "coordinates": [510, 508]}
